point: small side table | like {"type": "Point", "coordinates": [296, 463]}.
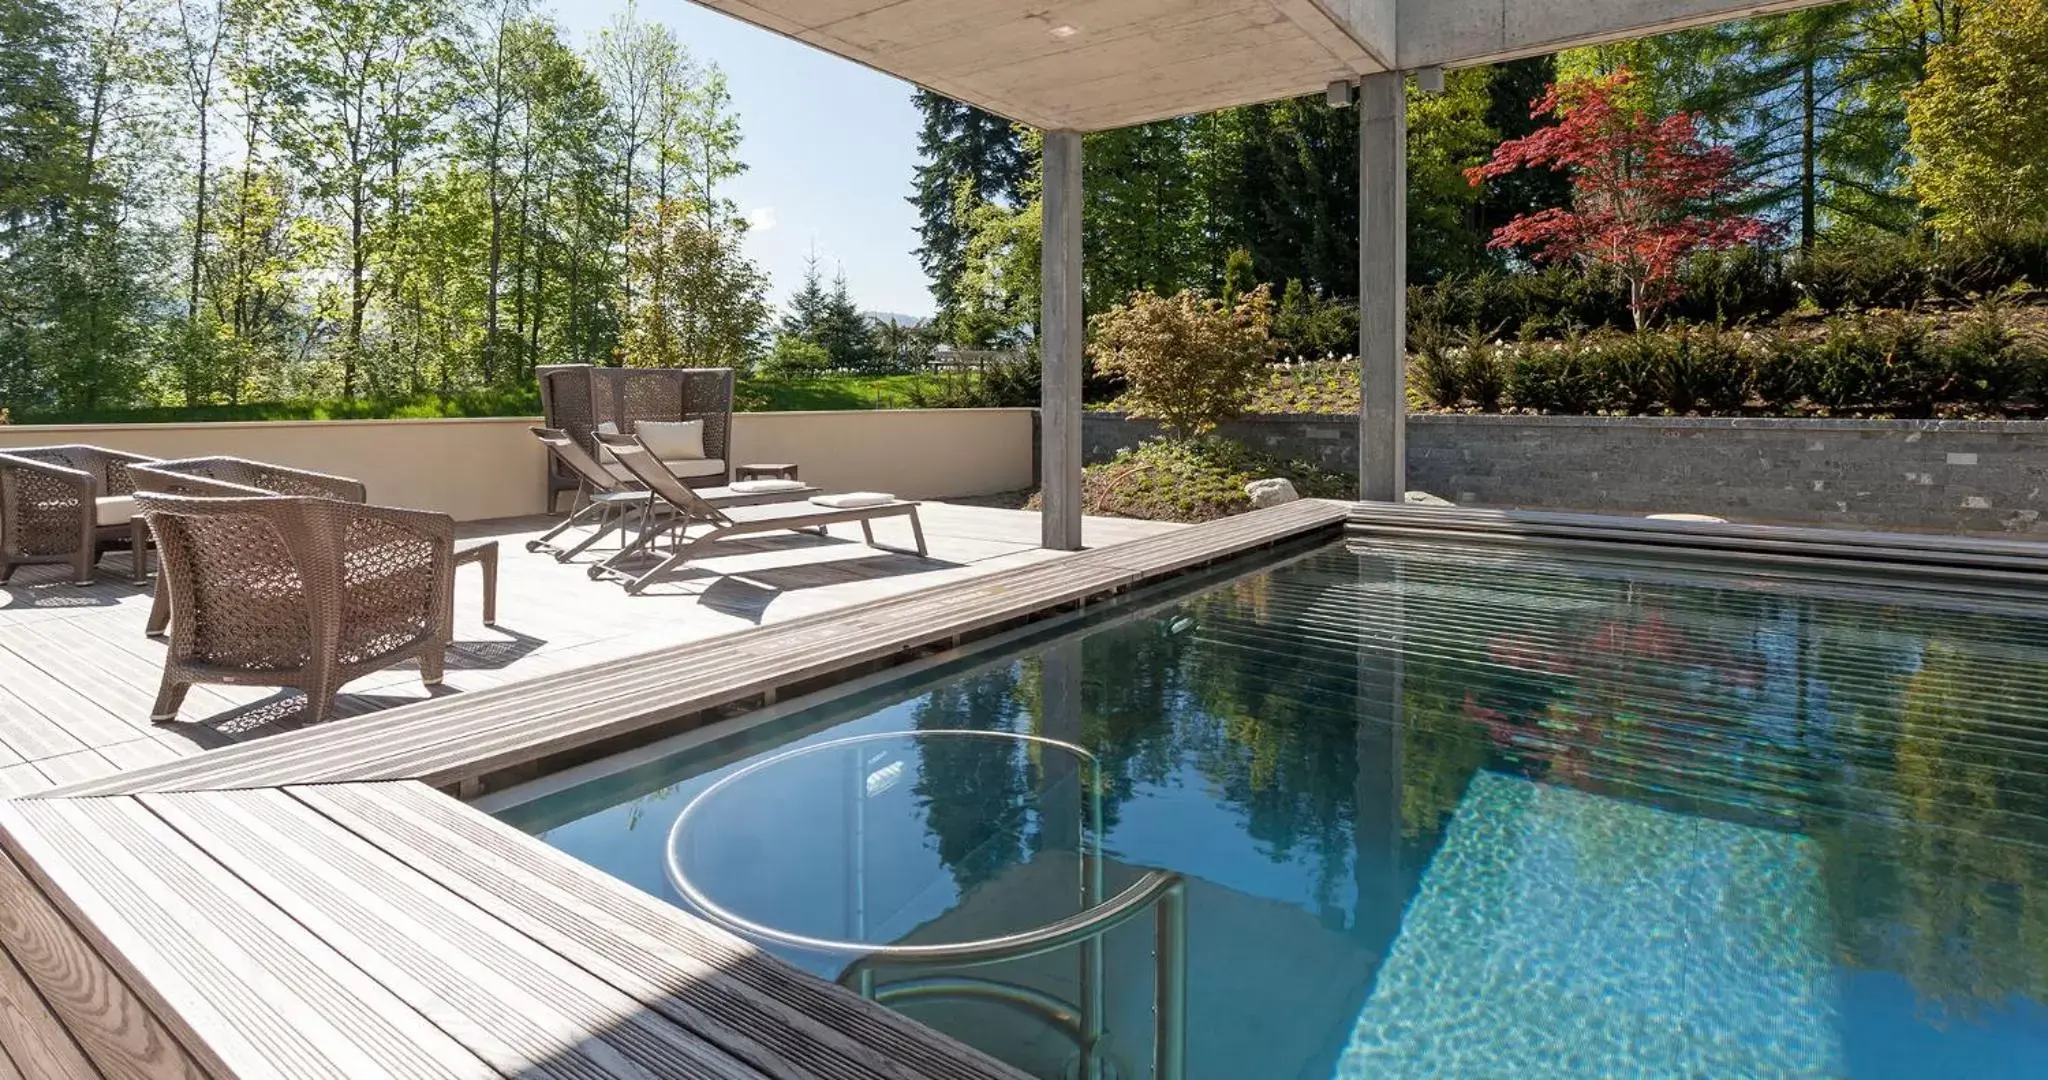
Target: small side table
{"type": "Point", "coordinates": [782, 471]}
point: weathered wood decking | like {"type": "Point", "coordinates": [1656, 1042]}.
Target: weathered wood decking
{"type": "Point", "coordinates": [302, 905]}
{"type": "Point", "coordinates": [77, 675]}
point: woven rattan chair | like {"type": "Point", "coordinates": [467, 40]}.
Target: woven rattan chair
{"type": "Point", "coordinates": [582, 400]}
{"type": "Point", "coordinates": [68, 504]}
{"type": "Point", "coordinates": [298, 591]}
{"type": "Point", "coordinates": [231, 477]}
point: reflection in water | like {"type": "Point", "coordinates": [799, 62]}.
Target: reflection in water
{"type": "Point", "coordinates": [1835, 804]}
{"type": "Point", "coordinates": [1904, 742]}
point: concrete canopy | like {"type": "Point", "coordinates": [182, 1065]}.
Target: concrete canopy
{"type": "Point", "coordinates": [1090, 65]}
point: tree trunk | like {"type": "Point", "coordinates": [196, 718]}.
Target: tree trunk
{"type": "Point", "coordinates": [358, 293]}
{"type": "Point", "coordinates": [1809, 187]}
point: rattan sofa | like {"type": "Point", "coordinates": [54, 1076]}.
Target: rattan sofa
{"type": "Point", "coordinates": [68, 504]}
{"type": "Point", "coordinates": [583, 400]}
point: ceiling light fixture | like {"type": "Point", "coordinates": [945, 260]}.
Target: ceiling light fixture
{"type": "Point", "coordinates": [1062, 32]}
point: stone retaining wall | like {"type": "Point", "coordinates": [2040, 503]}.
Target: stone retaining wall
{"type": "Point", "coordinates": [1946, 475]}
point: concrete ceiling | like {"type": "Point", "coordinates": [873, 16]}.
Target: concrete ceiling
{"type": "Point", "coordinates": [1087, 65]}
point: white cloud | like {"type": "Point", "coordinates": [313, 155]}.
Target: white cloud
{"type": "Point", "coordinates": [761, 219]}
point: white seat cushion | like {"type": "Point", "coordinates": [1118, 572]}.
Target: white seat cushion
{"type": "Point", "coordinates": [765, 487]}
{"type": "Point", "coordinates": [672, 440]}
{"type": "Point", "coordinates": [848, 500]}
{"type": "Point", "coordinates": [687, 468]}
{"type": "Point", "coordinates": [113, 510]}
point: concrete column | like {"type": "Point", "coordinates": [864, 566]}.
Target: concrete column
{"type": "Point", "coordinates": [1060, 341]}
{"type": "Point", "coordinates": [1383, 286]}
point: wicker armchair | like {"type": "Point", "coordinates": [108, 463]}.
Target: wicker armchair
{"type": "Point", "coordinates": [582, 400]}
{"type": "Point", "coordinates": [230, 477]}
{"type": "Point", "coordinates": [298, 591]}
{"type": "Point", "coordinates": [68, 504]}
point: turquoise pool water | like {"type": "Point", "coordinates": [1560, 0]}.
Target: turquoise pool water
{"type": "Point", "coordinates": [1443, 812]}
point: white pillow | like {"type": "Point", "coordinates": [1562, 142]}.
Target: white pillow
{"type": "Point", "coordinates": [672, 440]}
{"type": "Point", "coordinates": [850, 499]}
{"type": "Point", "coordinates": [764, 487]}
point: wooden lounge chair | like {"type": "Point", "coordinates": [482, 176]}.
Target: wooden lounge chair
{"type": "Point", "coordinates": [69, 504]}
{"type": "Point", "coordinates": [298, 591]}
{"type": "Point", "coordinates": [614, 500]}
{"type": "Point", "coordinates": [687, 508]}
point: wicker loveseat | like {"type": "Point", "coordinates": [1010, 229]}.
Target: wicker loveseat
{"type": "Point", "coordinates": [306, 590]}
{"type": "Point", "coordinates": [583, 400]}
{"type": "Point", "coordinates": [68, 504]}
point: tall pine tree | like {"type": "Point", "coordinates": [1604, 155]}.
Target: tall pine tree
{"type": "Point", "coordinates": [968, 157]}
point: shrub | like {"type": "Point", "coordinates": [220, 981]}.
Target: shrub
{"type": "Point", "coordinates": [1003, 384]}
{"type": "Point", "coordinates": [1552, 377]}
{"type": "Point", "coordinates": [795, 358]}
{"type": "Point", "coordinates": [1435, 370]}
{"type": "Point", "coordinates": [1195, 480]}
{"type": "Point", "coordinates": [1189, 362]}
{"type": "Point", "coordinates": [1483, 371]}
{"type": "Point", "coordinates": [1706, 370]}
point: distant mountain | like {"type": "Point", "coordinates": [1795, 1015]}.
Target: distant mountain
{"type": "Point", "coordinates": [896, 318]}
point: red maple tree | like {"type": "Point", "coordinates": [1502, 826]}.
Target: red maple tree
{"type": "Point", "coordinates": [1646, 191]}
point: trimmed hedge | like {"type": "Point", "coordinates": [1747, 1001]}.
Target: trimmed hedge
{"type": "Point", "coordinates": [1881, 363]}
{"type": "Point", "coordinates": [1845, 274]}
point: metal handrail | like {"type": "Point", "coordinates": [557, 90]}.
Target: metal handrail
{"type": "Point", "coordinates": [833, 946]}
{"type": "Point", "coordinates": [1083, 1022]}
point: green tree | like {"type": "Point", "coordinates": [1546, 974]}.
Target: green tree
{"type": "Point", "coordinates": [961, 148]}
{"type": "Point", "coordinates": [709, 305]}
{"type": "Point", "coordinates": [1980, 123]}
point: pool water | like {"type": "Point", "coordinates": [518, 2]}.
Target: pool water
{"type": "Point", "coordinates": [1442, 811]}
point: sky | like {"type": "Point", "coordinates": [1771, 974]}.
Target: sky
{"type": "Point", "coordinates": [829, 146]}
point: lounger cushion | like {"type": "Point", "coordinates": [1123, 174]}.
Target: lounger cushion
{"type": "Point", "coordinates": [765, 487]}
{"type": "Point", "coordinates": [113, 510]}
{"type": "Point", "coordinates": [686, 468]}
{"type": "Point", "coordinates": [672, 440]}
{"type": "Point", "coordinates": [847, 500]}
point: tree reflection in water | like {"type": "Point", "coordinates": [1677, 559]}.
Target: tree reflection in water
{"type": "Point", "coordinates": [1908, 743]}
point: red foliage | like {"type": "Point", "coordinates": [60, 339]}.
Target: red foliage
{"type": "Point", "coordinates": [1646, 192]}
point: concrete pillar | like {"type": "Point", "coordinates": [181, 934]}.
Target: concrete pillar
{"type": "Point", "coordinates": [1060, 341]}
{"type": "Point", "coordinates": [1383, 286]}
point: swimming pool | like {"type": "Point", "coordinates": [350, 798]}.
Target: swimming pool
{"type": "Point", "coordinates": [1439, 811]}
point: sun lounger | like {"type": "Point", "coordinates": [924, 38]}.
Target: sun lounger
{"type": "Point", "coordinates": [688, 508]}
{"type": "Point", "coordinates": [608, 501]}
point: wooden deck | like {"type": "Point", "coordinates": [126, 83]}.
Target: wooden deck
{"type": "Point", "coordinates": [303, 905]}
{"type": "Point", "coordinates": [77, 675]}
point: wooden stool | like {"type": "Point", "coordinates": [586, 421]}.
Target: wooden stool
{"type": "Point", "coordinates": [764, 472]}
{"type": "Point", "coordinates": [486, 554]}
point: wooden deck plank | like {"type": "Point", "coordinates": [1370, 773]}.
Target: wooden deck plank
{"type": "Point", "coordinates": [102, 1016]}
{"type": "Point", "coordinates": [461, 736]}
{"type": "Point", "coordinates": [60, 699]}
{"type": "Point", "coordinates": [519, 1006]}
{"type": "Point", "coordinates": [552, 888]}
{"type": "Point", "coordinates": [781, 1040]}
{"type": "Point", "coordinates": [234, 981]}
{"type": "Point", "coordinates": [32, 1041]}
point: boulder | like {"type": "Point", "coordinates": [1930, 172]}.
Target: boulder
{"type": "Point", "coordinates": [1273, 492]}
{"type": "Point", "coordinates": [1424, 498]}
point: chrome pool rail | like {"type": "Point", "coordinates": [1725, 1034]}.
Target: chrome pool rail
{"type": "Point", "coordinates": [1083, 1022]}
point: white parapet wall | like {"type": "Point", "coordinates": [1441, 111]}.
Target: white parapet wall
{"type": "Point", "coordinates": [493, 468]}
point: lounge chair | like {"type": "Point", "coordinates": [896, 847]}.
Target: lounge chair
{"type": "Point", "coordinates": [298, 591]}
{"type": "Point", "coordinates": [614, 499]}
{"type": "Point", "coordinates": [69, 504]}
{"type": "Point", "coordinates": [687, 508]}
